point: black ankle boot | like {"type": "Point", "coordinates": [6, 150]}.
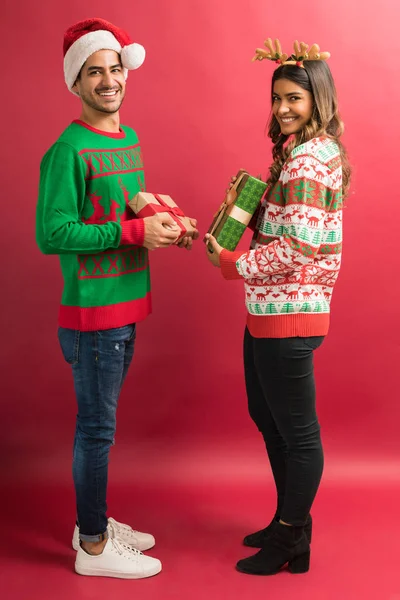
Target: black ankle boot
{"type": "Point", "coordinates": [259, 538]}
{"type": "Point", "coordinates": [286, 544]}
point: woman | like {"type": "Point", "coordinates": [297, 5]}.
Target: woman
{"type": "Point", "coordinates": [289, 275]}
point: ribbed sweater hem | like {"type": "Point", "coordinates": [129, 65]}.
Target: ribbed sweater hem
{"type": "Point", "coordinates": [291, 325]}
{"type": "Point", "coordinates": [104, 317]}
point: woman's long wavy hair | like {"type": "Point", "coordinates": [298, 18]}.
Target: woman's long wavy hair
{"type": "Point", "coordinates": [316, 78]}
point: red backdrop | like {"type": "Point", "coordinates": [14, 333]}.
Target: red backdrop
{"type": "Point", "coordinates": [200, 108]}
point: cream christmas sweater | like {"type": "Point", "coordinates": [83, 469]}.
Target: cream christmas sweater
{"type": "Point", "coordinates": [294, 258]}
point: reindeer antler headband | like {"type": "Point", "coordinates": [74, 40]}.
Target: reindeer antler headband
{"type": "Point", "coordinates": [301, 53]}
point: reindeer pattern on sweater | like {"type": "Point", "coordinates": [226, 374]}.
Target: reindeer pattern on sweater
{"type": "Point", "coordinates": [295, 255]}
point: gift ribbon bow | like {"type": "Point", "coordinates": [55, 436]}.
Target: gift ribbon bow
{"type": "Point", "coordinates": [174, 211]}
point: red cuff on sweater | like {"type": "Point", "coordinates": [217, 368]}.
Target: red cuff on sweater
{"type": "Point", "coordinates": [132, 232]}
{"type": "Point", "coordinates": [228, 264]}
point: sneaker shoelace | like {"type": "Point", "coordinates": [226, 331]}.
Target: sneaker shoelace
{"type": "Point", "coordinates": [116, 528]}
{"type": "Point", "coordinates": [125, 550]}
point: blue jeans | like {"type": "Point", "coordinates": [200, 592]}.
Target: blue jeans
{"type": "Point", "coordinates": [100, 362]}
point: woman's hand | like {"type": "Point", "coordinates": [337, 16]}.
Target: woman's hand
{"type": "Point", "coordinates": [187, 242]}
{"type": "Point", "coordinates": [232, 183]}
{"type": "Point", "coordinates": [213, 250]}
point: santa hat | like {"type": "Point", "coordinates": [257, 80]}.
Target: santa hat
{"type": "Point", "coordinates": [86, 37]}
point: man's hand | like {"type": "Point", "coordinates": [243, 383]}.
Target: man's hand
{"type": "Point", "coordinates": [187, 242]}
{"type": "Point", "coordinates": [160, 231]}
{"type": "Point", "coordinates": [213, 250]}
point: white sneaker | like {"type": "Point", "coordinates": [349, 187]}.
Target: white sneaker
{"type": "Point", "coordinates": [127, 535]}
{"type": "Point", "coordinates": [117, 560]}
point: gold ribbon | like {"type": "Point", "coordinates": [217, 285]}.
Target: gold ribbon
{"type": "Point", "coordinates": [238, 214]}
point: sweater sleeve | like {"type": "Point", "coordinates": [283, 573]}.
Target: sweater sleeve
{"type": "Point", "coordinates": [228, 264]}
{"type": "Point", "coordinates": [307, 198]}
{"type": "Point", "coordinates": [59, 229]}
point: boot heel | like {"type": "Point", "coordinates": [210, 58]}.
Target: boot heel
{"type": "Point", "coordinates": [300, 564]}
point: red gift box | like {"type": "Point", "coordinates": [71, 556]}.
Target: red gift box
{"type": "Point", "coordinates": [145, 204]}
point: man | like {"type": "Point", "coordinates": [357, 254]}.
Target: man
{"type": "Point", "coordinates": [87, 177]}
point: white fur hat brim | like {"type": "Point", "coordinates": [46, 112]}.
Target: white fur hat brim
{"type": "Point", "coordinates": [132, 56]}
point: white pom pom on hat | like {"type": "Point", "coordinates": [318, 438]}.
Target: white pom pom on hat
{"type": "Point", "coordinates": [89, 36]}
{"type": "Point", "coordinates": [133, 56]}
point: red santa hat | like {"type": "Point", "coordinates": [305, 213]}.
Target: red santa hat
{"type": "Point", "coordinates": [86, 37]}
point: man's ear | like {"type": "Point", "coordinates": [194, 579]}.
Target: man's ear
{"type": "Point", "coordinates": [75, 87]}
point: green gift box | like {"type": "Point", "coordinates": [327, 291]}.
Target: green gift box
{"type": "Point", "coordinates": [236, 211]}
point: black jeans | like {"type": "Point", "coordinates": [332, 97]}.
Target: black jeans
{"type": "Point", "coordinates": [281, 395]}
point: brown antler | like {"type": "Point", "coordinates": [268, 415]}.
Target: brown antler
{"type": "Point", "coordinates": [301, 53]}
{"type": "Point", "coordinates": [315, 54]}
{"type": "Point", "coordinates": [275, 53]}
{"type": "Point", "coordinates": [300, 50]}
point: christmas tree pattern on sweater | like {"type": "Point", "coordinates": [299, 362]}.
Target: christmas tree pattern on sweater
{"type": "Point", "coordinates": [295, 254]}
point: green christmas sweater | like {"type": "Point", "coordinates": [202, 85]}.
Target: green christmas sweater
{"type": "Point", "coordinates": [86, 180]}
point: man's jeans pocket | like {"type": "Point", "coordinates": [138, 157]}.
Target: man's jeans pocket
{"type": "Point", "coordinates": [69, 342]}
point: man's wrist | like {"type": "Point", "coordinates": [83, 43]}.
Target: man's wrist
{"type": "Point", "coordinates": [132, 232]}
